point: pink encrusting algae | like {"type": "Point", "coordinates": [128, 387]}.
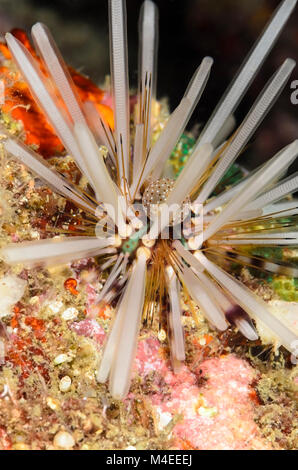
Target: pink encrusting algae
{"type": "Point", "coordinates": [216, 415]}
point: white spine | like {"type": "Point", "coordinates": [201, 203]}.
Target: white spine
{"type": "Point", "coordinates": [253, 241]}
{"type": "Point", "coordinates": [39, 166]}
{"type": "Point", "coordinates": [104, 185]}
{"type": "Point", "coordinates": [264, 234]}
{"type": "Point", "coordinates": [249, 126]}
{"type": "Point", "coordinates": [253, 187]}
{"type": "Point", "coordinates": [148, 38]}
{"type": "Point", "coordinates": [175, 316]}
{"type": "Point", "coordinates": [225, 131]}
{"type": "Point", "coordinates": [55, 250]}
{"type": "Point", "coordinates": [187, 256]}
{"type": "Point", "coordinates": [46, 100]}
{"type": "Point", "coordinates": [192, 96]}
{"type": "Point", "coordinates": [176, 123]}
{"type": "Point", "coordinates": [281, 190]}
{"type": "Point", "coordinates": [246, 329]}
{"type": "Point", "coordinates": [54, 62]}
{"type": "Point", "coordinates": [127, 341]}
{"type": "Point", "coordinates": [148, 43]}
{"type": "Point", "coordinates": [242, 324]}
{"type": "Point", "coordinates": [120, 84]}
{"type": "Point", "coordinates": [190, 175]}
{"type": "Point", "coordinates": [181, 189]}
{"type": "Point", "coordinates": [224, 197]}
{"type": "Point", "coordinates": [215, 291]}
{"type": "Point", "coordinates": [103, 134]}
{"type": "Point", "coordinates": [109, 282]}
{"type": "Point", "coordinates": [138, 152]}
{"type": "Point", "coordinates": [111, 343]}
{"type": "Point", "coordinates": [209, 307]}
{"type": "Point", "coordinates": [250, 303]}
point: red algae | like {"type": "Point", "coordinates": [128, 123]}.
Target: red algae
{"type": "Point", "coordinates": [20, 104]}
{"type": "Point", "coordinates": [5, 441]}
{"type": "Point", "coordinates": [70, 285]}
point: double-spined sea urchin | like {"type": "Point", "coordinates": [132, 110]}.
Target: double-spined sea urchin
{"type": "Point", "coordinates": [149, 260]}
